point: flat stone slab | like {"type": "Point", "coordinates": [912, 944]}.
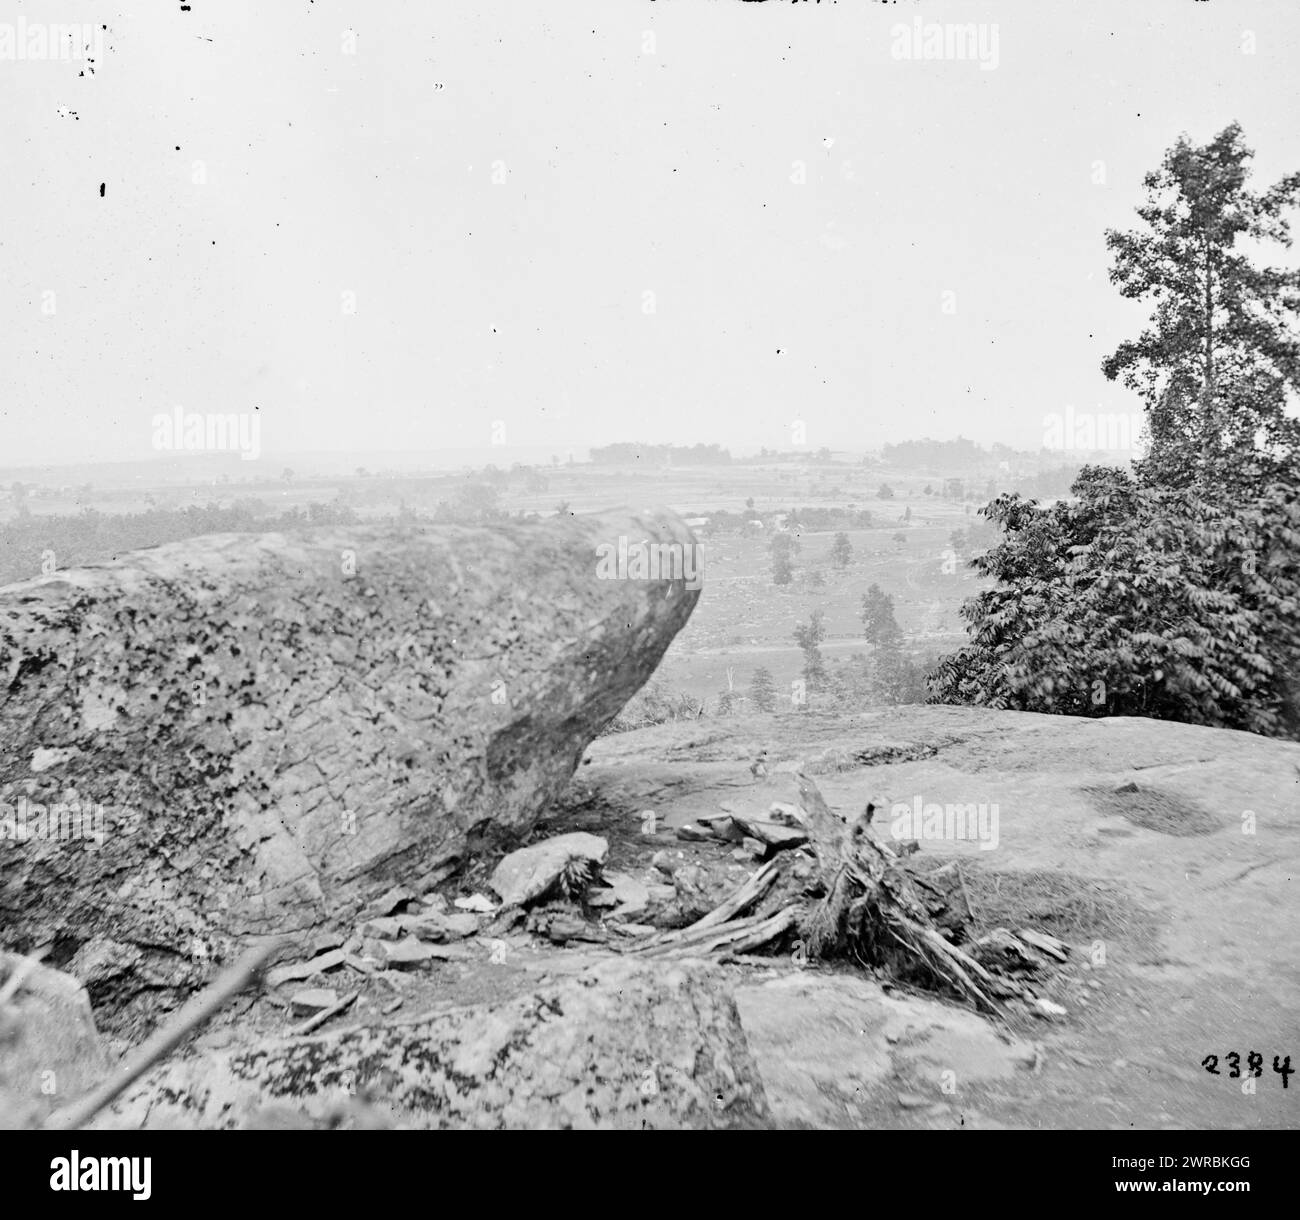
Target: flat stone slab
{"type": "Point", "coordinates": [828, 1045]}
{"type": "Point", "coordinates": [620, 1044]}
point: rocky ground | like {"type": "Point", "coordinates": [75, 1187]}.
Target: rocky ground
{"type": "Point", "coordinates": [1163, 855]}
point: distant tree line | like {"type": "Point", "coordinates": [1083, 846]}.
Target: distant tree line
{"type": "Point", "coordinates": [947, 455]}
{"type": "Point", "coordinates": [33, 544]}
{"type": "Point", "coordinates": [817, 520]}
{"type": "Point", "coordinates": [626, 453]}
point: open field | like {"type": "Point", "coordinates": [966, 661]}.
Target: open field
{"type": "Point", "coordinates": [743, 620]}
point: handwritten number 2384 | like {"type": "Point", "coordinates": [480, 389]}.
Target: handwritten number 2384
{"type": "Point", "coordinates": [1254, 1065]}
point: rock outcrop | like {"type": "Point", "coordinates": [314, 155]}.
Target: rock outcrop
{"type": "Point", "coordinates": [1164, 854]}
{"type": "Point", "coordinates": [624, 1044]}
{"type": "Point", "coordinates": [239, 736]}
{"type": "Point", "coordinates": [50, 1051]}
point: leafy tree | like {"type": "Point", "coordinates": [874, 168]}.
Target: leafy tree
{"type": "Point", "coordinates": [900, 537]}
{"type": "Point", "coordinates": [885, 493]}
{"type": "Point", "coordinates": [1178, 603]}
{"type": "Point", "coordinates": [724, 703]}
{"type": "Point", "coordinates": [907, 513]}
{"type": "Point", "coordinates": [841, 550]}
{"type": "Point", "coordinates": [782, 547]}
{"type": "Point", "coordinates": [893, 676]}
{"type": "Point", "coordinates": [929, 490]}
{"type": "Point", "coordinates": [1220, 354]}
{"type": "Point", "coordinates": [1172, 592]}
{"type": "Point", "coordinates": [895, 679]}
{"type": "Point", "coordinates": [886, 675]}
{"type": "Point", "coordinates": [877, 614]}
{"type": "Point", "coordinates": [762, 690]}
{"type": "Point", "coordinates": [809, 636]}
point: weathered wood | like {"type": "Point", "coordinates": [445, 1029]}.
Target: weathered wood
{"type": "Point", "coordinates": [869, 908]}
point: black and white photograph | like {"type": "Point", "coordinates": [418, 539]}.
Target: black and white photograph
{"type": "Point", "coordinates": [650, 565]}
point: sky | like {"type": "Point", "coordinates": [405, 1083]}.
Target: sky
{"type": "Point", "coordinates": [432, 226]}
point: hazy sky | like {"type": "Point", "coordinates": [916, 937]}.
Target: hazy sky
{"type": "Point", "coordinates": [213, 277]}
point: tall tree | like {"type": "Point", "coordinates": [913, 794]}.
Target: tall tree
{"type": "Point", "coordinates": [1171, 593]}
{"type": "Point", "coordinates": [762, 690]}
{"type": "Point", "coordinates": [809, 636]}
{"type": "Point", "coordinates": [1220, 357]}
{"type": "Point", "coordinates": [877, 614]}
{"type": "Point", "coordinates": [782, 548]}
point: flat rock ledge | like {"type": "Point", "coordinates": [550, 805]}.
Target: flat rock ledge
{"type": "Point", "coordinates": [624, 1044]}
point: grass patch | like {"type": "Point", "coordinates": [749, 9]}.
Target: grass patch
{"type": "Point", "coordinates": [1166, 813]}
{"type": "Point", "coordinates": [1068, 906]}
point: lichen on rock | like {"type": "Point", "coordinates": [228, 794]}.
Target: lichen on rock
{"type": "Point", "coordinates": [262, 732]}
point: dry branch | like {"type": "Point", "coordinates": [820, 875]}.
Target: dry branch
{"type": "Point", "coordinates": [853, 899]}
{"type": "Point", "coordinates": [194, 1014]}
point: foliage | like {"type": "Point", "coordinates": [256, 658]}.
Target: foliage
{"type": "Point", "coordinates": [782, 547]}
{"type": "Point", "coordinates": [877, 615]}
{"type": "Point", "coordinates": [1178, 603]}
{"type": "Point", "coordinates": [626, 453]}
{"type": "Point", "coordinates": [654, 704]}
{"type": "Point", "coordinates": [809, 636]}
{"type": "Point", "coordinates": [1172, 592]}
{"type": "Point", "coordinates": [1220, 355]}
{"type": "Point", "coordinates": [762, 690]}
{"type": "Point", "coordinates": [883, 676]}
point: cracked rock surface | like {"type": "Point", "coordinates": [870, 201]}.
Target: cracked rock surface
{"type": "Point", "coordinates": [623, 1044]}
{"type": "Point", "coordinates": [253, 735]}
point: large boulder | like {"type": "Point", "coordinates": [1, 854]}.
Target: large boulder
{"type": "Point", "coordinates": [625, 1044]}
{"type": "Point", "coordinates": [238, 736]}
